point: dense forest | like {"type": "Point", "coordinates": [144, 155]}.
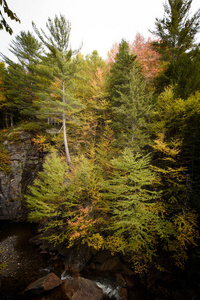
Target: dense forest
{"type": "Point", "coordinates": [120, 137]}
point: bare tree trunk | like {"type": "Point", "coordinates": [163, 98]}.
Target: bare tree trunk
{"type": "Point", "coordinates": [64, 129]}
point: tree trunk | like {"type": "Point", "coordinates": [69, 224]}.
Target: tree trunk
{"type": "Point", "coordinates": [64, 128]}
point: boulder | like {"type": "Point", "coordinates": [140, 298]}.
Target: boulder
{"type": "Point", "coordinates": [76, 259]}
{"type": "Point", "coordinates": [123, 294]}
{"type": "Point", "coordinates": [110, 265]}
{"type": "Point", "coordinates": [43, 284]}
{"type": "Point", "coordinates": [81, 289]}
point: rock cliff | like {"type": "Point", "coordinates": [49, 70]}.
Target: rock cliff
{"type": "Point", "coordinates": [25, 162]}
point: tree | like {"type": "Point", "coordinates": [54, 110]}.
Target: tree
{"type": "Point", "coordinates": [21, 79]}
{"type": "Point", "coordinates": [174, 187]}
{"type": "Point", "coordinates": [148, 58]}
{"type": "Point", "coordinates": [69, 202]}
{"type": "Point", "coordinates": [91, 89]}
{"type": "Point", "coordinates": [10, 14]}
{"type": "Point", "coordinates": [60, 64]}
{"type": "Point", "coordinates": [176, 44]}
{"type": "Point", "coordinates": [178, 119]}
{"type": "Point", "coordinates": [128, 100]}
{"type": "Point", "coordinates": [136, 227]}
{"type": "Point", "coordinates": [176, 30]}
{"type": "Point", "coordinates": [2, 94]}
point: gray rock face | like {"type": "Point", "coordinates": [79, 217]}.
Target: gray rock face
{"type": "Point", "coordinates": [26, 161]}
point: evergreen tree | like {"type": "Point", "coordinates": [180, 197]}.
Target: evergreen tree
{"type": "Point", "coordinates": [9, 13]}
{"type": "Point", "coordinates": [177, 30]}
{"type": "Point", "coordinates": [136, 227]}
{"type": "Point", "coordinates": [176, 33]}
{"type": "Point", "coordinates": [21, 79]}
{"type": "Point", "coordinates": [129, 101]}
{"type": "Point", "coordinates": [60, 65]}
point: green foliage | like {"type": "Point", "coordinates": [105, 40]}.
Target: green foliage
{"type": "Point", "coordinates": [20, 79]}
{"type": "Point", "coordinates": [135, 226]}
{"type": "Point", "coordinates": [130, 104]}
{"type": "Point", "coordinates": [68, 201]}
{"type": "Point", "coordinates": [10, 14]}
{"type": "Point", "coordinates": [60, 66]}
{"type": "Point", "coordinates": [114, 196]}
{"type": "Point", "coordinates": [176, 32]}
{"type": "Point", "coordinates": [171, 181]}
{"type": "Point", "coordinates": [178, 119]}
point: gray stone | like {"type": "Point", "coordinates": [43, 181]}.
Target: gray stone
{"type": "Point", "coordinates": [25, 162]}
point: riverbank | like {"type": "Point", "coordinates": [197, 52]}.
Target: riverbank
{"type": "Point", "coordinates": [23, 263]}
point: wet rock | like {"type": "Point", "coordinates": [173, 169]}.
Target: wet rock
{"type": "Point", "coordinates": [81, 289]}
{"type": "Point", "coordinates": [120, 281]}
{"type": "Point", "coordinates": [123, 294]}
{"type": "Point", "coordinates": [45, 283]}
{"type": "Point", "coordinates": [36, 240]}
{"type": "Point", "coordinates": [110, 265]}
{"type": "Point", "coordinates": [125, 270]}
{"type": "Point", "coordinates": [76, 260]}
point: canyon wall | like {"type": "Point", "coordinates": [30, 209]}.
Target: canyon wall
{"type": "Point", "coordinates": [25, 162]}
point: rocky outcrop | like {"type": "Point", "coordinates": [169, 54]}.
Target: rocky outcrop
{"type": "Point", "coordinates": [25, 162]}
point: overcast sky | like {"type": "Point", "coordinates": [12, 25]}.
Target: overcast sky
{"type": "Point", "coordinates": [96, 24]}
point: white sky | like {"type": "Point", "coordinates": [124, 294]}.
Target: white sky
{"type": "Point", "coordinates": [98, 24]}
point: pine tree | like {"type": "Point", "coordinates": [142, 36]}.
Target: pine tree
{"type": "Point", "coordinates": [177, 30]}
{"type": "Point", "coordinates": [129, 101]}
{"type": "Point", "coordinates": [59, 65]}
{"type": "Point", "coordinates": [21, 79]}
{"type": "Point", "coordinates": [176, 33]}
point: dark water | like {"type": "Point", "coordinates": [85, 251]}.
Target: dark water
{"type": "Point", "coordinates": [24, 264]}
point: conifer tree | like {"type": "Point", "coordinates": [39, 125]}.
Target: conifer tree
{"type": "Point", "coordinates": [59, 65]}
{"type": "Point", "coordinates": [135, 227]}
{"type": "Point", "coordinates": [129, 101]}
{"type": "Point", "coordinates": [176, 32]}
{"type": "Point", "coordinates": [21, 79]}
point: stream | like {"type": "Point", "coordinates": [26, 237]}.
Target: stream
{"type": "Point", "coordinates": [24, 264]}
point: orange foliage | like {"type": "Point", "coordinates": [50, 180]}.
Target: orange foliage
{"type": "Point", "coordinates": [148, 58]}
